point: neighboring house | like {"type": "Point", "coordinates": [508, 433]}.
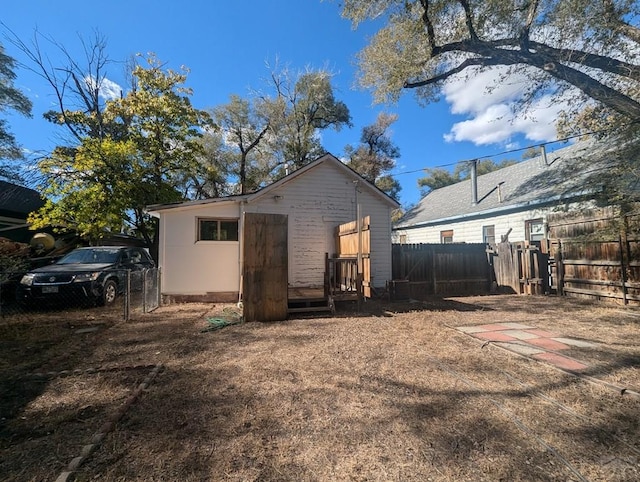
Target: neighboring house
{"type": "Point", "coordinates": [16, 202]}
{"type": "Point", "coordinates": [201, 242]}
{"type": "Point", "coordinates": [508, 204]}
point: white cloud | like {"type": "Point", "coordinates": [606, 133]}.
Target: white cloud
{"type": "Point", "coordinates": [488, 99]}
{"type": "Point", "coordinates": [107, 89]}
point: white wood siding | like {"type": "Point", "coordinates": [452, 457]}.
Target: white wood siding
{"type": "Point", "coordinates": [316, 203]}
{"type": "Point", "coordinates": [191, 267]}
{"type": "Point", "coordinates": [470, 231]}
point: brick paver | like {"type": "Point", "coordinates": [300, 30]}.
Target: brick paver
{"type": "Point", "coordinates": [494, 336]}
{"type": "Point", "coordinates": [548, 344]}
{"type": "Point", "coordinates": [561, 361]}
{"type": "Point", "coordinates": [531, 342]}
{"type": "Point", "coordinates": [542, 333]}
{"type": "Point", "coordinates": [522, 348]}
{"type": "Point", "coordinates": [520, 334]}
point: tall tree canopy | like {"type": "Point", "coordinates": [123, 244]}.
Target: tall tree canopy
{"type": "Point", "coordinates": [135, 151]}
{"type": "Point", "coordinates": [243, 125]}
{"type": "Point", "coordinates": [376, 155]}
{"type": "Point", "coordinates": [263, 136]}
{"type": "Point", "coordinates": [587, 44]}
{"type": "Point", "coordinates": [303, 105]}
{"type": "Point", "coordinates": [11, 98]}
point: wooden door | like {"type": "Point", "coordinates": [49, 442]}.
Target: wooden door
{"type": "Point", "coordinates": [265, 282]}
{"type": "Point", "coordinates": [347, 245]}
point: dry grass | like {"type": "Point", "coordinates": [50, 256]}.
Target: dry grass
{"type": "Point", "coordinates": [391, 394]}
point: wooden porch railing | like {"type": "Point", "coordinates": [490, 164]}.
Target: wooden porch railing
{"type": "Point", "coordinates": [342, 281]}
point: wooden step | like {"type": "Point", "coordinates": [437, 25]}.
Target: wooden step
{"type": "Point", "coordinates": [309, 309]}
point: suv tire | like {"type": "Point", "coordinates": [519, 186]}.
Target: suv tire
{"type": "Point", "coordinates": [109, 293]}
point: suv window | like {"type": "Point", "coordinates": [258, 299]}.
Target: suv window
{"type": "Point", "coordinates": [139, 255]}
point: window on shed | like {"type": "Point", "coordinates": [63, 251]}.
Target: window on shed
{"type": "Point", "coordinates": [446, 237]}
{"type": "Point", "coordinates": [534, 230]}
{"type": "Point", "coordinates": [217, 229]}
{"type": "Point", "coordinates": [489, 234]}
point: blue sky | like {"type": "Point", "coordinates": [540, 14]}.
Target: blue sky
{"type": "Point", "coordinates": [227, 46]}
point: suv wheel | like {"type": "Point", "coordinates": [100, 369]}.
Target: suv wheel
{"type": "Point", "coordinates": [109, 292]}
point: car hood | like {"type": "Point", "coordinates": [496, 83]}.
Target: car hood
{"type": "Point", "coordinates": [73, 268]}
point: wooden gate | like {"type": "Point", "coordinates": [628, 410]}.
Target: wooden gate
{"type": "Point", "coordinates": [345, 279]}
{"type": "Point", "coordinates": [265, 273]}
{"type": "Point", "coordinates": [520, 268]}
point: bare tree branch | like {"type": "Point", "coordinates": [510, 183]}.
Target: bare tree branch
{"type": "Point", "coordinates": [469, 19]}
{"type": "Point", "coordinates": [431, 36]}
{"type": "Point", "coordinates": [483, 62]}
{"type": "Point", "coordinates": [531, 15]}
{"type": "Point", "coordinates": [549, 60]}
{"type": "Point", "coordinates": [600, 62]}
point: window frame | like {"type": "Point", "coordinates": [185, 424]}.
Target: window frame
{"type": "Point", "coordinates": [528, 232]}
{"type": "Point", "coordinates": [218, 221]}
{"type": "Point", "coordinates": [445, 235]}
{"type": "Point", "coordinates": [486, 235]}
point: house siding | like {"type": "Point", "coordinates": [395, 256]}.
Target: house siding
{"type": "Point", "coordinates": [191, 267]}
{"type": "Point", "coordinates": [470, 230]}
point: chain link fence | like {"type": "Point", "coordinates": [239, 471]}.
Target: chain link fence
{"type": "Point", "coordinates": [113, 294]}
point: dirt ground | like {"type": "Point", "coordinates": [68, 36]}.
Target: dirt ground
{"type": "Point", "coordinates": [392, 393]}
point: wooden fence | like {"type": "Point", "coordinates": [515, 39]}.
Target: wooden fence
{"type": "Point", "coordinates": [597, 269]}
{"type": "Point", "coordinates": [596, 255]}
{"type": "Point", "coordinates": [421, 270]}
{"type": "Point", "coordinates": [593, 254]}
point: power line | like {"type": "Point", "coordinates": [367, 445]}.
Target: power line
{"type": "Point", "coordinates": [488, 156]}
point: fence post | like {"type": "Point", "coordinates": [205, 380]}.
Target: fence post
{"type": "Point", "coordinates": [433, 271]}
{"type": "Point", "coordinates": [623, 268]}
{"type": "Point", "coordinates": [145, 272]}
{"type": "Point", "coordinates": [127, 295]}
{"type": "Point", "coordinates": [560, 269]}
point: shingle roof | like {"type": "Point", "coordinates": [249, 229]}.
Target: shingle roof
{"type": "Point", "coordinates": [521, 185]}
{"type": "Point", "coordinates": [18, 201]}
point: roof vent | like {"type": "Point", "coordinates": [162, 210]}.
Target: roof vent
{"type": "Point", "coordinates": [474, 182]}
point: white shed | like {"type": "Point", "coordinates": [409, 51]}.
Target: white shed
{"type": "Point", "coordinates": [201, 242]}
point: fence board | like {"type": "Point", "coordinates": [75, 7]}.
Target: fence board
{"type": "Point", "coordinates": [441, 269]}
{"type": "Point", "coordinates": [596, 254]}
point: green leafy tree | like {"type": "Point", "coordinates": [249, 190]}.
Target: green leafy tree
{"type": "Point", "coordinates": [435, 178]}
{"type": "Point", "coordinates": [483, 166]}
{"type": "Point", "coordinates": [589, 45]}
{"type": "Point", "coordinates": [10, 99]}
{"type": "Point", "coordinates": [376, 155]}
{"type": "Point", "coordinates": [304, 105]}
{"type": "Point", "coordinates": [148, 145]}
{"type": "Point", "coordinates": [262, 137]}
{"type": "Point", "coordinates": [211, 178]}
{"type": "Point", "coordinates": [242, 129]}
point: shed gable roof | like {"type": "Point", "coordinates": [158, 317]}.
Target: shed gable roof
{"type": "Point", "coordinates": [520, 186]}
